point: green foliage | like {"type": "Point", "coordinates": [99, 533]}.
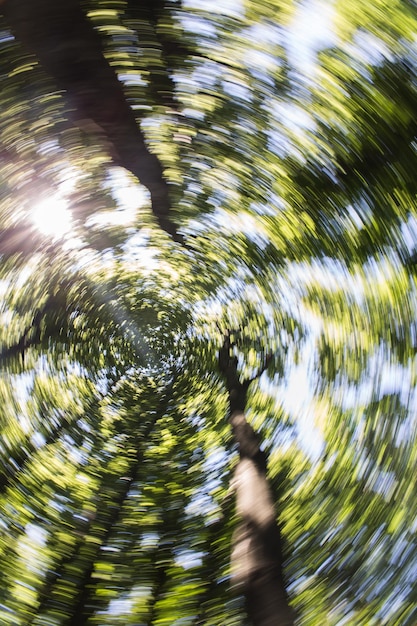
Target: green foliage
{"type": "Point", "coordinates": [292, 179]}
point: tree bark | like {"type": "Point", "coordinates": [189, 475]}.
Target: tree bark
{"type": "Point", "coordinates": [257, 555]}
{"type": "Point", "coordinates": [69, 49]}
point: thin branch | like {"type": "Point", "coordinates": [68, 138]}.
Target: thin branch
{"type": "Point", "coordinates": [228, 364]}
{"type": "Point", "coordinates": [263, 367]}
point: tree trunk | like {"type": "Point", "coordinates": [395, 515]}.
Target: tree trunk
{"type": "Point", "coordinates": [257, 549]}
{"type": "Point", "coordinates": [257, 555]}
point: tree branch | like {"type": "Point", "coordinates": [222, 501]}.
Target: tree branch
{"type": "Point", "coordinates": [70, 50]}
{"type": "Point", "coordinates": [228, 366]}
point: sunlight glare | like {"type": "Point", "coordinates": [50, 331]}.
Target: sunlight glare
{"type": "Point", "coordinates": [52, 217]}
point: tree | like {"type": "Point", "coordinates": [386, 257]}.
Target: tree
{"type": "Point", "coordinates": [286, 184]}
{"type": "Point", "coordinates": [257, 554]}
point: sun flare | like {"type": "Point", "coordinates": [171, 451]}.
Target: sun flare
{"type": "Point", "coordinates": [52, 217]}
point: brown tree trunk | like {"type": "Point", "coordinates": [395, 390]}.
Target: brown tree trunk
{"type": "Point", "coordinates": [257, 548]}
{"type": "Point", "coordinates": [257, 555]}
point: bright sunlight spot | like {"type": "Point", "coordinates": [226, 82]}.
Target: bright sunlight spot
{"type": "Point", "coordinates": [52, 216]}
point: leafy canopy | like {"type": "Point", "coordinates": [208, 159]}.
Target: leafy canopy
{"type": "Point", "coordinates": [286, 133]}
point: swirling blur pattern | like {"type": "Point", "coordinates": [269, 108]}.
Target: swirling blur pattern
{"type": "Point", "coordinates": [173, 172]}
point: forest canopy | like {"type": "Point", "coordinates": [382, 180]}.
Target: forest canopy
{"type": "Point", "coordinates": [208, 231]}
